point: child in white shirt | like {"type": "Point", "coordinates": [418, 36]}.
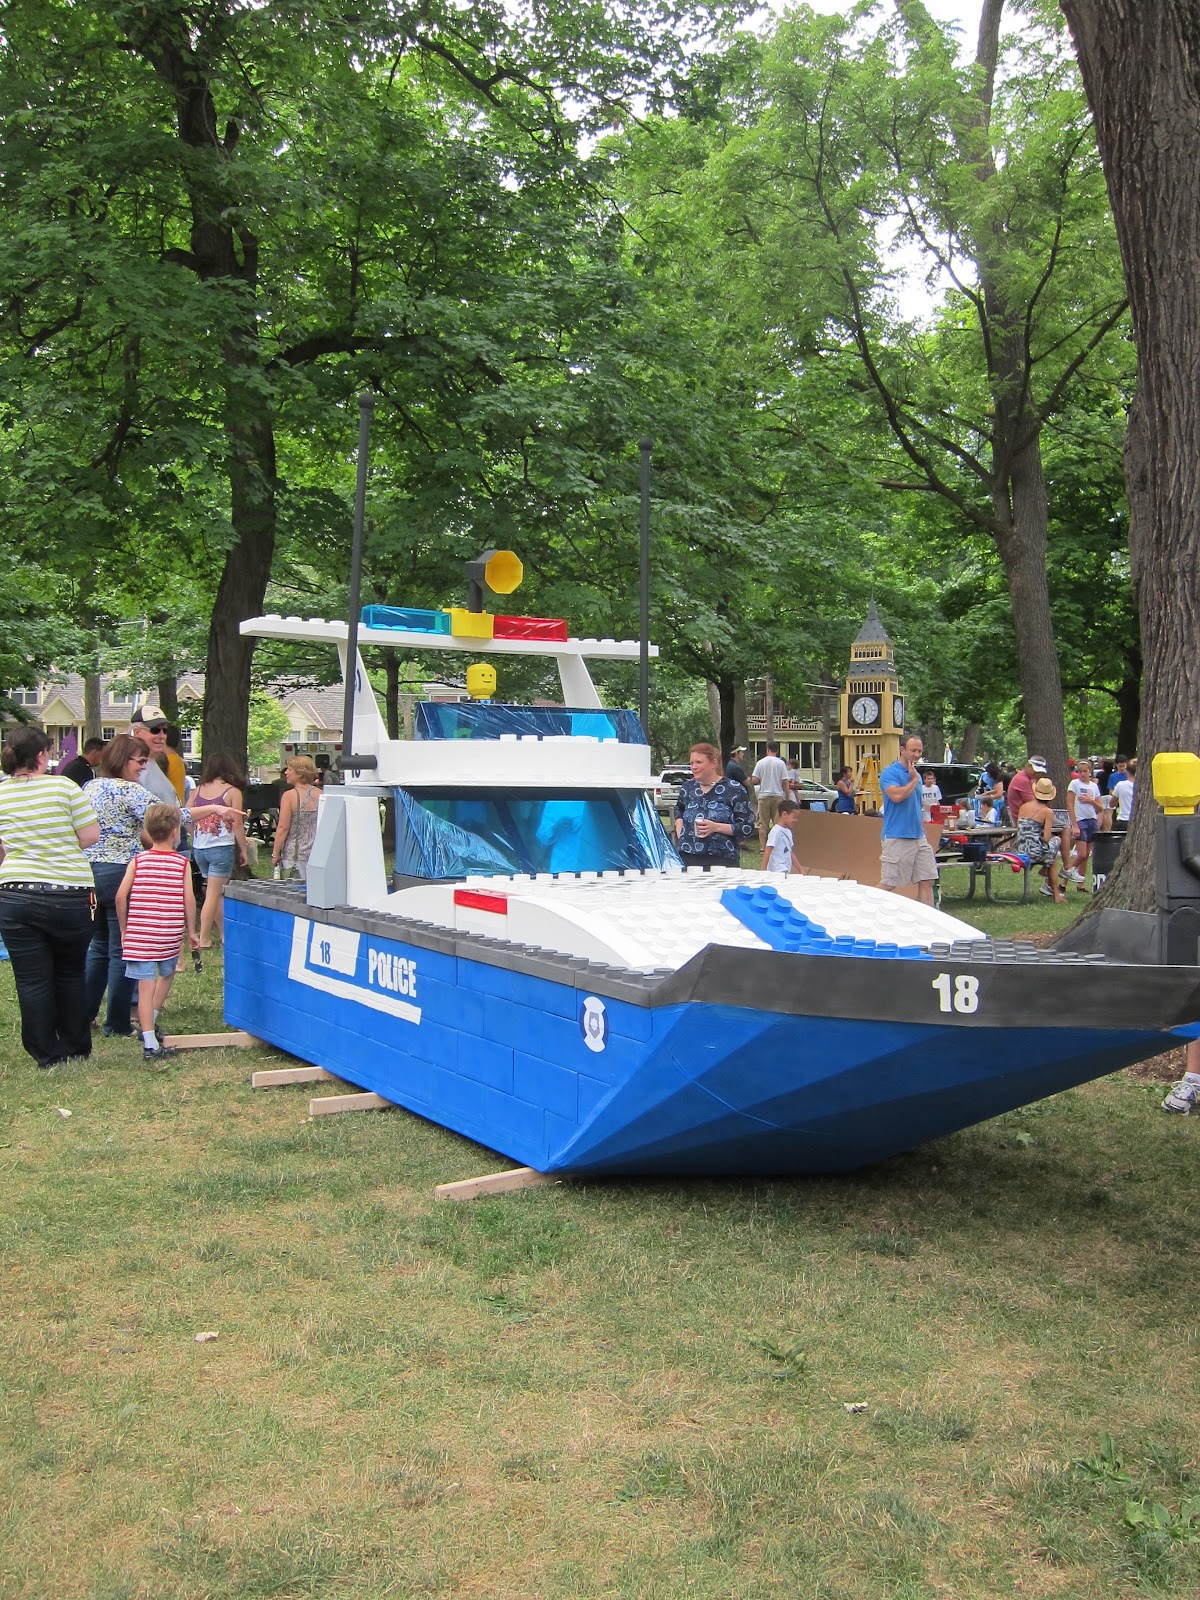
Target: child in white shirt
{"type": "Point", "coordinates": [777, 852]}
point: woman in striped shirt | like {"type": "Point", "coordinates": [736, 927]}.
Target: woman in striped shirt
{"type": "Point", "coordinates": [46, 897]}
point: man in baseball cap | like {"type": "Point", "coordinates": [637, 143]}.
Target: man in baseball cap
{"type": "Point", "coordinates": [149, 724]}
{"type": "Point", "coordinates": [733, 767]}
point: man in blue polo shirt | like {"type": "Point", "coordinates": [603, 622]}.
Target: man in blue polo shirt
{"type": "Point", "coordinates": [906, 856]}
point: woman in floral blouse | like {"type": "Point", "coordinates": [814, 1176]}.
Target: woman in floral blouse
{"type": "Point", "coordinates": [713, 813]}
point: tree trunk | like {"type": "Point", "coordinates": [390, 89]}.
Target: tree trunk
{"type": "Point", "coordinates": [829, 711]}
{"type": "Point", "coordinates": [1129, 705]}
{"type": "Point", "coordinates": [1140, 61]}
{"type": "Point", "coordinates": [1023, 551]}
{"type": "Point", "coordinates": [726, 688]}
{"type": "Point", "coordinates": [741, 732]}
{"type": "Point", "coordinates": [714, 708]}
{"type": "Point", "coordinates": [969, 743]}
{"type": "Point", "coordinates": [224, 254]}
{"type": "Point", "coordinates": [167, 690]}
{"type": "Point", "coordinates": [92, 714]}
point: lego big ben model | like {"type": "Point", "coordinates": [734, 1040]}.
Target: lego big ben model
{"type": "Point", "coordinates": [872, 709]}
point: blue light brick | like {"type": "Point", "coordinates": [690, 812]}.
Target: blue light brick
{"type": "Point", "coordinates": [412, 618]}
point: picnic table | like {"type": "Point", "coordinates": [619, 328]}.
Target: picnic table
{"type": "Point", "coordinates": [953, 851]}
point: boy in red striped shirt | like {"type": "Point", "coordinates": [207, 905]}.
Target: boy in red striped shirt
{"type": "Point", "coordinates": [155, 907]}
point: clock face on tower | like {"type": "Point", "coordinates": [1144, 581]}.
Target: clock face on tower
{"type": "Point", "coordinates": [865, 711]}
{"type": "Point", "coordinates": [898, 710]}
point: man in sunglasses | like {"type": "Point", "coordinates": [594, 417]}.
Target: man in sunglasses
{"type": "Point", "coordinates": [150, 726]}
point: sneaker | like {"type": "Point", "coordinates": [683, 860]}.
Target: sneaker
{"type": "Point", "coordinates": [1182, 1097]}
{"type": "Point", "coordinates": [161, 1052]}
{"type": "Point", "coordinates": [1044, 888]}
{"type": "Point", "coordinates": [1076, 877]}
{"type": "Point", "coordinates": [158, 1033]}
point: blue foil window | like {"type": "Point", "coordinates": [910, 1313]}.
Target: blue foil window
{"type": "Point", "coordinates": [484, 719]}
{"type": "Point", "coordinates": [499, 832]}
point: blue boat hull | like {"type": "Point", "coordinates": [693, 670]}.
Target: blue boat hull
{"type": "Point", "coordinates": [742, 1063]}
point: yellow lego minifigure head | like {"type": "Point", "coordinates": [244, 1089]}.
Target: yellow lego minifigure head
{"type": "Point", "coordinates": [1176, 778]}
{"type": "Point", "coordinates": [481, 681]}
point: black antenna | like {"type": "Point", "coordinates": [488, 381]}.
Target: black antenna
{"type": "Point", "coordinates": [346, 761]}
{"type": "Point", "coordinates": [645, 446]}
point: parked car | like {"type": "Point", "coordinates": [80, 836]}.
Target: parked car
{"type": "Point", "coordinates": [261, 801]}
{"type": "Point", "coordinates": [810, 793]}
{"type": "Point", "coordinates": [666, 790]}
{"type": "Point", "coordinates": [956, 779]}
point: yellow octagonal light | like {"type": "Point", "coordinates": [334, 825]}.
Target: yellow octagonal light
{"type": "Point", "coordinates": [502, 570]}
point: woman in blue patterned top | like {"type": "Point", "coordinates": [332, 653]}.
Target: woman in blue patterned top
{"type": "Point", "coordinates": [120, 803]}
{"type": "Point", "coordinates": [713, 814]}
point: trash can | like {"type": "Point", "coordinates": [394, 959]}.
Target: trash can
{"type": "Point", "coordinates": [1104, 856]}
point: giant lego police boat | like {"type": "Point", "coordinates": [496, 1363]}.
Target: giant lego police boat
{"type": "Point", "coordinates": [541, 975]}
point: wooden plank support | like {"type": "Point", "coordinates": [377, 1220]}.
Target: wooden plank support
{"type": "Point", "coordinates": [210, 1041]}
{"type": "Point", "coordinates": [277, 1075]}
{"type": "Point", "coordinates": [330, 1104]}
{"type": "Point", "coordinates": [493, 1183]}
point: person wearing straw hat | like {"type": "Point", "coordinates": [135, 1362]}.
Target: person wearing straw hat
{"type": "Point", "coordinates": [1036, 837]}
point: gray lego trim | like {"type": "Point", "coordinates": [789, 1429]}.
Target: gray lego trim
{"type": "Point", "coordinates": [1024, 986]}
{"type": "Point", "coordinates": [1121, 935]}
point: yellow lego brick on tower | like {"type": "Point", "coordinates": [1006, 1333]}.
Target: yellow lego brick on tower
{"type": "Point", "coordinates": [470, 624]}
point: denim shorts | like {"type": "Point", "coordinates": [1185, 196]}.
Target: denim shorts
{"type": "Point", "coordinates": [151, 969]}
{"type": "Point", "coordinates": [216, 863]}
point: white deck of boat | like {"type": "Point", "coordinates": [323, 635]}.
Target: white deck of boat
{"type": "Point", "coordinates": [654, 920]}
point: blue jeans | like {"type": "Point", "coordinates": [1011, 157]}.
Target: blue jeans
{"type": "Point", "coordinates": [105, 966]}
{"type": "Point", "coordinates": [47, 933]}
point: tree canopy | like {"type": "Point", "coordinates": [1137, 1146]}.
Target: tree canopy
{"type": "Point", "coordinates": [538, 235]}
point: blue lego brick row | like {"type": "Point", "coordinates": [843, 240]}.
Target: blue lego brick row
{"type": "Point", "coordinates": [773, 919]}
{"type": "Point", "coordinates": [519, 987]}
{"type": "Point", "coordinates": [591, 1092]}
{"type": "Point", "coordinates": [558, 1134]}
{"type": "Point", "coordinates": [464, 1081]}
{"type": "Point", "coordinates": [631, 1022]}
{"type": "Point", "coordinates": [517, 1026]}
{"type": "Point", "coordinates": [485, 1062]}
{"type": "Point", "coordinates": [522, 1126]}
{"type": "Point", "coordinates": [468, 1012]}
{"type": "Point", "coordinates": [541, 1083]}
{"type": "Point", "coordinates": [434, 1042]}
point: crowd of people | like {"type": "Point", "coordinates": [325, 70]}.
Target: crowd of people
{"type": "Point", "coordinates": [97, 894]}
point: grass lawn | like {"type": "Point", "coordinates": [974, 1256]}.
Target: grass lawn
{"type": "Point", "coordinates": [951, 1376]}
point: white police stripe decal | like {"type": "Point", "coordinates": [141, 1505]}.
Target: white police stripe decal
{"type": "Point", "coordinates": [319, 951]}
